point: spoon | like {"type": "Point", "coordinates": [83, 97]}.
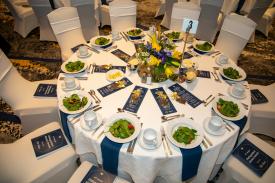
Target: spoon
{"type": "Point", "coordinates": [93, 93]}
{"type": "Point", "coordinates": [122, 110]}
{"type": "Point", "coordinates": [167, 118]}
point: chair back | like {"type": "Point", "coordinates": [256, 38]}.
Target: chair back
{"type": "Point", "coordinates": [259, 9]}
{"type": "Point", "coordinates": [67, 29]}
{"type": "Point", "coordinates": [235, 33]}
{"type": "Point", "coordinates": [123, 15]}
{"type": "Point", "coordinates": [166, 21]}
{"type": "Point", "coordinates": [86, 13]}
{"type": "Point", "coordinates": [5, 65]}
{"type": "Point", "coordinates": [229, 6]}
{"type": "Point", "coordinates": [208, 20]}
{"type": "Point", "coordinates": [12, 8]}
{"type": "Point", "coordinates": [183, 10]}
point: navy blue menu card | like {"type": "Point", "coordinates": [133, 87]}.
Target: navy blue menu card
{"type": "Point", "coordinates": [110, 155]}
{"type": "Point", "coordinates": [46, 90]}
{"type": "Point", "coordinates": [97, 175]}
{"type": "Point", "coordinates": [190, 162]}
{"type": "Point", "coordinates": [203, 74]}
{"type": "Point", "coordinates": [257, 97]}
{"type": "Point", "coordinates": [163, 101]}
{"type": "Point", "coordinates": [113, 87]}
{"type": "Point", "coordinates": [106, 68]}
{"type": "Point", "coordinates": [134, 101]}
{"type": "Point", "coordinates": [48, 142]}
{"type": "Point", "coordinates": [121, 54]}
{"type": "Point", "coordinates": [192, 100]}
{"type": "Point", "coordinates": [253, 157]}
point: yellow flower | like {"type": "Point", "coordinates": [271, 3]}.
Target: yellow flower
{"type": "Point", "coordinates": [153, 60]}
{"type": "Point", "coordinates": [176, 55]}
{"type": "Point", "coordinates": [169, 71]}
{"type": "Point", "coordinates": [155, 43]}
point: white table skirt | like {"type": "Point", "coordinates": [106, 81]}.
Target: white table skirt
{"type": "Point", "coordinates": [144, 165]}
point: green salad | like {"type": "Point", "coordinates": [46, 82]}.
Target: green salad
{"type": "Point", "coordinates": [74, 66]}
{"type": "Point", "coordinates": [231, 73]}
{"type": "Point", "coordinates": [74, 102]}
{"type": "Point", "coordinates": [185, 135]}
{"type": "Point", "coordinates": [206, 46]}
{"type": "Point", "coordinates": [122, 129]}
{"type": "Point", "coordinates": [134, 32]}
{"type": "Point", "coordinates": [102, 41]}
{"type": "Point", "coordinates": [228, 108]}
{"type": "Point", "coordinates": [173, 35]}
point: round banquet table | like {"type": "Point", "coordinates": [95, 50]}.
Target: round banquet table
{"type": "Point", "coordinates": [144, 165]}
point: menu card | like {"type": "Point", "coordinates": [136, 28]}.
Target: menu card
{"type": "Point", "coordinates": [192, 100]}
{"type": "Point", "coordinates": [102, 69]}
{"type": "Point", "coordinates": [203, 74]}
{"type": "Point", "coordinates": [134, 101]}
{"type": "Point", "coordinates": [121, 54]}
{"type": "Point", "coordinates": [257, 97]}
{"type": "Point", "coordinates": [47, 143]}
{"type": "Point", "coordinates": [253, 157]}
{"type": "Point", "coordinates": [46, 90]}
{"type": "Point", "coordinates": [114, 87]}
{"type": "Point", "coordinates": [163, 101]}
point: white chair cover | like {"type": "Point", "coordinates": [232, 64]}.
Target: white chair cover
{"type": "Point", "coordinates": [166, 21]}
{"type": "Point", "coordinates": [161, 9]}
{"type": "Point", "coordinates": [19, 163]}
{"type": "Point", "coordinates": [67, 29]}
{"type": "Point", "coordinates": [181, 11]}
{"type": "Point", "coordinates": [24, 18]}
{"type": "Point", "coordinates": [229, 6]}
{"type": "Point", "coordinates": [235, 33]}
{"type": "Point", "coordinates": [104, 14]}
{"type": "Point", "coordinates": [5, 65]}
{"type": "Point", "coordinates": [265, 24]}
{"type": "Point", "coordinates": [258, 10]}
{"type": "Point", "coordinates": [86, 12]}
{"type": "Point", "coordinates": [123, 14]}
{"type": "Point", "coordinates": [208, 20]}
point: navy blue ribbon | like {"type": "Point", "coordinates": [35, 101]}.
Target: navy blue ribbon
{"type": "Point", "coordinates": [104, 2]}
{"type": "Point", "coordinates": [241, 123]}
{"type": "Point", "coordinates": [110, 155]}
{"type": "Point", "coordinates": [240, 5]}
{"type": "Point", "coordinates": [63, 117]}
{"type": "Point", "coordinates": [9, 117]}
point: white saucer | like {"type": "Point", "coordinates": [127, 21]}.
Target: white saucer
{"type": "Point", "coordinates": [87, 128]}
{"type": "Point", "coordinates": [77, 86]}
{"type": "Point", "coordinates": [84, 56]}
{"type": "Point", "coordinates": [212, 132]}
{"type": "Point", "coordinates": [146, 146]}
{"type": "Point", "coordinates": [220, 64]}
{"type": "Point", "coordinates": [235, 96]}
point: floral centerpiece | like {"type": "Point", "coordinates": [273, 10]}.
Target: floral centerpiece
{"type": "Point", "coordinates": [159, 57]}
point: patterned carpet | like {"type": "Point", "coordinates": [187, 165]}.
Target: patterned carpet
{"type": "Point", "coordinates": [39, 60]}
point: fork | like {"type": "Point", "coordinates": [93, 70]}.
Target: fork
{"type": "Point", "coordinates": [168, 118]}
{"type": "Point", "coordinates": [88, 72]}
{"type": "Point", "coordinates": [96, 101]}
{"type": "Point", "coordinates": [92, 93]}
{"type": "Point", "coordinates": [215, 72]}
{"type": "Point", "coordinates": [205, 101]}
{"type": "Point", "coordinates": [132, 144]}
{"type": "Point", "coordinates": [93, 69]}
{"type": "Point", "coordinates": [164, 140]}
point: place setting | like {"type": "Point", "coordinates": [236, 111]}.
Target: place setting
{"type": "Point", "coordinates": [133, 34]}
{"type": "Point", "coordinates": [83, 52]}
{"type": "Point", "coordinates": [104, 43]}
{"type": "Point", "coordinates": [70, 84]}
{"type": "Point", "coordinates": [149, 139]}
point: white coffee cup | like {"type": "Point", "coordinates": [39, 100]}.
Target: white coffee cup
{"type": "Point", "coordinates": [215, 123]}
{"type": "Point", "coordinates": [69, 82]}
{"type": "Point", "coordinates": [90, 118]}
{"type": "Point", "coordinates": [83, 51]}
{"type": "Point", "coordinates": [238, 89]}
{"type": "Point", "coordinates": [115, 35]}
{"type": "Point", "coordinates": [150, 136]}
{"type": "Point", "coordinates": [223, 59]}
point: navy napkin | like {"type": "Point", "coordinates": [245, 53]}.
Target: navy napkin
{"type": "Point", "coordinates": [63, 117]}
{"type": "Point", "coordinates": [110, 155]}
{"type": "Point", "coordinates": [190, 162]}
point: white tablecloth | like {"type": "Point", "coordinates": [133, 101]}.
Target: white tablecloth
{"type": "Point", "coordinates": [145, 165]}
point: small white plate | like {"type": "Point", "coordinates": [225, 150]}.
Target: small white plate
{"type": "Point", "coordinates": [84, 56]}
{"type": "Point", "coordinates": [212, 132]}
{"type": "Point", "coordinates": [87, 128]}
{"type": "Point", "coordinates": [227, 98]}
{"type": "Point", "coordinates": [147, 146]}
{"type": "Point", "coordinates": [236, 96]}
{"type": "Point", "coordinates": [96, 45]}
{"type": "Point", "coordinates": [174, 124]}
{"type": "Point", "coordinates": [113, 71]}
{"type": "Point", "coordinates": [140, 35]}
{"type": "Point", "coordinates": [63, 68]}
{"type": "Point", "coordinates": [77, 86]}
{"type": "Point", "coordinates": [240, 70]}
{"type": "Point", "coordinates": [170, 31]}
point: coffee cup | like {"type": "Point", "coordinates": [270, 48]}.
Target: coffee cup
{"type": "Point", "coordinates": [223, 59]}
{"type": "Point", "coordinates": [238, 89]}
{"type": "Point", "coordinates": [215, 123]}
{"type": "Point", "coordinates": [90, 118]}
{"type": "Point", "coordinates": [115, 35]}
{"type": "Point", "coordinates": [83, 51]}
{"type": "Point", "coordinates": [69, 82]}
{"type": "Point", "coordinates": [150, 136]}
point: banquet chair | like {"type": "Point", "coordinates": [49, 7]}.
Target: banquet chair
{"type": "Point", "coordinates": [18, 93]}
{"type": "Point", "coordinates": [234, 35]}
{"type": "Point", "coordinates": [19, 163]}
{"type": "Point", "coordinates": [161, 9]}
{"type": "Point", "coordinates": [24, 18]}
{"type": "Point", "coordinates": [183, 10]}
{"type": "Point", "coordinates": [166, 21]}
{"type": "Point", "coordinates": [263, 115]}
{"type": "Point", "coordinates": [123, 15]}
{"type": "Point", "coordinates": [235, 171]}
{"type": "Point", "coordinates": [265, 24]}
{"type": "Point", "coordinates": [104, 14]}
{"type": "Point", "coordinates": [258, 10]}
{"type": "Point", "coordinates": [86, 12]}
{"type": "Point", "coordinates": [208, 20]}
{"type": "Point", "coordinates": [67, 29]}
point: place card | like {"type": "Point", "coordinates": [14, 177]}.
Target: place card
{"type": "Point", "coordinates": [121, 54]}
{"type": "Point", "coordinates": [135, 99]}
{"type": "Point", "coordinates": [114, 87]}
{"type": "Point", "coordinates": [253, 157]}
{"type": "Point", "coordinates": [47, 143]}
{"type": "Point", "coordinates": [257, 97]}
{"type": "Point", "coordinates": [203, 74]}
{"type": "Point", "coordinates": [192, 100]}
{"type": "Point", "coordinates": [103, 69]}
{"type": "Point", "coordinates": [163, 101]}
{"type": "Point", "coordinates": [46, 90]}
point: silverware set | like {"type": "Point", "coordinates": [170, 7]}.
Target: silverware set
{"type": "Point", "coordinates": [132, 144]}
{"type": "Point", "coordinates": [206, 142]}
{"type": "Point", "coordinates": [215, 74]}
{"type": "Point", "coordinates": [93, 94]}
{"type": "Point", "coordinates": [79, 78]}
{"type": "Point", "coordinates": [125, 37]}
{"type": "Point", "coordinates": [216, 54]}
{"type": "Point", "coordinates": [120, 110]}
{"type": "Point", "coordinates": [244, 105]}
{"type": "Point", "coordinates": [208, 100]}
{"type": "Point", "coordinates": [166, 146]}
{"type": "Point", "coordinates": [89, 69]}
{"type": "Point", "coordinates": [76, 118]}
{"type": "Point", "coordinates": [168, 118]}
